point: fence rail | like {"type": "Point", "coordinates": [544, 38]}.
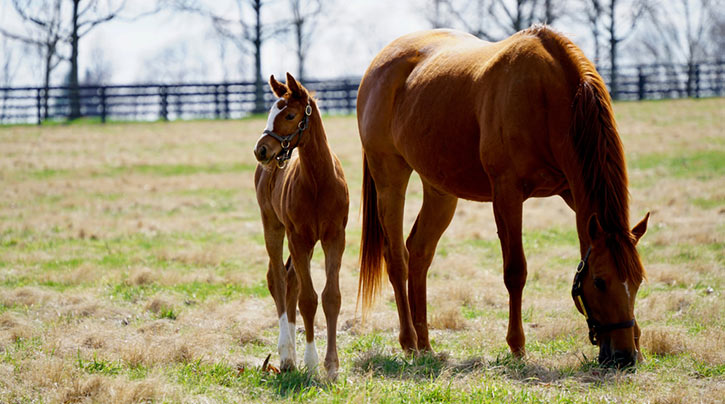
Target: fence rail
{"type": "Point", "coordinates": [149, 102]}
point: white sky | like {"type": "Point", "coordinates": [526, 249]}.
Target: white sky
{"type": "Point", "coordinates": [346, 39]}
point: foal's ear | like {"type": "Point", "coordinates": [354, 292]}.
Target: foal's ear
{"type": "Point", "coordinates": [278, 88]}
{"type": "Point", "coordinates": [594, 229]}
{"type": "Point", "coordinates": [641, 227]}
{"type": "Point", "coordinates": [294, 86]}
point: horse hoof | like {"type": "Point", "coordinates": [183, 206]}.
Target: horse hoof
{"type": "Point", "coordinates": [287, 365]}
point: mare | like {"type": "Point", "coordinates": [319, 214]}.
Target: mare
{"type": "Point", "coordinates": [528, 116]}
{"type": "Point", "coordinates": [306, 199]}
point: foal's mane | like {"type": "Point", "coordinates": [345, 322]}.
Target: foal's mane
{"type": "Point", "coordinates": [598, 150]}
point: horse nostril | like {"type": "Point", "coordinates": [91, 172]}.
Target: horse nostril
{"type": "Point", "coordinates": [261, 153]}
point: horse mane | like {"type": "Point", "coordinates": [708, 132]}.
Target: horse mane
{"type": "Point", "coordinates": [599, 151]}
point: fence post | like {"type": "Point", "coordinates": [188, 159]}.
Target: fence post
{"type": "Point", "coordinates": [179, 104]}
{"type": "Point", "coordinates": [641, 83]}
{"type": "Point", "coordinates": [37, 100]}
{"type": "Point", "coordinates": [164, 103]}
{"type": "Point", "coordinates": [226, 101]}
{"type": "Point", "coordinates": [217, 111]}
{"type": "Point", "coordinates": [350, 99]}
{"type": "Point", "coordinates": [103, 104]}
{"type": "Point", "coordinates": [697, 81]}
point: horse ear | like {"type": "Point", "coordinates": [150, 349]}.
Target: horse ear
{"type": "Point", "coordinates": [294, 86]}
{"type": "Point", "coordinates": [278, 88]}
{"type": "Point", "coordinates": [594, 228]}
{"type": "Point", "coordinates": [641, 227]}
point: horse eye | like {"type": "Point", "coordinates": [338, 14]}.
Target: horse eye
{"type": "Point", "coordinates": [600, 284]}
{"type": "Point", "coordinates": [290, 117]}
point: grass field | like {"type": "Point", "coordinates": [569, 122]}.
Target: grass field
{"type": "Point", "coordinates": [132, 269]}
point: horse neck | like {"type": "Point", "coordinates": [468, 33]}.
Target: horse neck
{"type": "Point", "coordinates": [314, 153]}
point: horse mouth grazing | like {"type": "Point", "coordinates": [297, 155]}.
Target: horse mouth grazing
{"type": "Point", "coordinates": [619, 359]}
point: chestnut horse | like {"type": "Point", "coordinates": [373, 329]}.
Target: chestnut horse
{"type": "Point", "coordinates": [306, 200]}
{"type": "Point", "coordinates": [497, 122]}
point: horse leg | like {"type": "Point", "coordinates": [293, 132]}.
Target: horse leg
{"type": "Point", "coordinates": [333, 247]}
{"type": "Point", "coordinates": [391, 174]}
{"type": "Point", "coordinates": [434, 217]}
{"type": "Point", "coordinates": [301, 250]}
{"type": "Point", "coordinates": [507, 209]}
{"type": "Point", "coordinates": [293, 292]}
{"type": "Point", "coordinates": [276, 282]}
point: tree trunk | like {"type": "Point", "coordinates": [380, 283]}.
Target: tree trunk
{"type": "Point", "coordinates": [259, 106]}
{"type": "Point", "coordinates": [613, 50]}
{"type": "Point", "coordinates": [300, 51]}
{"type": "Point", "coordinates": [75, 104]}
{"type": "Point", "coordinates": [46, 82]}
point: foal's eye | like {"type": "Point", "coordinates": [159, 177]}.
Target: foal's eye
{"type": "Point", "coordinates": [600, 284]}
{"type": "Point", "coordinates": [290, 117]}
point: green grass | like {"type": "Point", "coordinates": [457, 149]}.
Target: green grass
{"type": "Point", "coordinates": [172, 253]}
{"type": "Point", "coordinates": [699, 165]}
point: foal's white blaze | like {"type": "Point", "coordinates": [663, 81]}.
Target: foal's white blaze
{"type": "Point", "coordinates": [311, 359]}
{"type": "Point", "coordinates": [626, 289]}
{"type": "Point", "coordinates": [286, 344]}
{"type": "Point", "coordinates": [273, 112]}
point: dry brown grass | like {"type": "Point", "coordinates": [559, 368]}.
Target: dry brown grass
{"type": "Point", "coordinates": [140, 247]}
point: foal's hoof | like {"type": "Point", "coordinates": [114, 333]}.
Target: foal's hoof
{"type": "Point", "coordinates": [287, 365]}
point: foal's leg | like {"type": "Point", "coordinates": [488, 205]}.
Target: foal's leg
{"type": "Point", "coordinates": [333, 247]}
{"type": "Point", "coordinates": [277, 284]}
{"type": "Point", "coordinates": [507, 209]}
{"type": "Point", "coordinates": [434, 217]}
{"type": "Point", "coordinates": [391, 174]}
{"type": "Point", "coordinates": [301, 250]}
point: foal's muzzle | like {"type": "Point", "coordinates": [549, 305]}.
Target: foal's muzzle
{"type": "Point", "coordinates": [266, 149]}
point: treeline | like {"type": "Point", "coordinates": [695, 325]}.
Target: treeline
{"type": "Point", "coordinates": [51, 32]}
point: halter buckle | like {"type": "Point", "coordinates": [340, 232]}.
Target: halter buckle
{"type": "Point", "coordinates": [285, 144]}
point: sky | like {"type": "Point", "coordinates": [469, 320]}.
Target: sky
{"type": "Point", "coordinates": [174, 46]}
{"type": "Point", "coordinates": [346, 38]}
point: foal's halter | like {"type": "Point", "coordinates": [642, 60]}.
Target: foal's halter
{"type": "Point", "coordinates": [595, 327]}
{"type": "Point", "coordinates": [285, 141]}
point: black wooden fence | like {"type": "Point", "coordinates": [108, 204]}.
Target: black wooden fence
{"type": "Point", "coordinates": [149, 102]}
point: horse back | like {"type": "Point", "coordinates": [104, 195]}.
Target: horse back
{"type": "Point", "coordinates": [460, 110]}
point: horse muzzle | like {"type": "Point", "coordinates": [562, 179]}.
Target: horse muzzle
{"type": "Point", "coordinates": [616, 358]}
{"type": "Point", "coordinates": [266, 151]}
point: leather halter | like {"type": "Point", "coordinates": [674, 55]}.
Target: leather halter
{"type": "Point", "coordinates": [595, 327]}
{"type": "Point", "coordinates": [285, 141]}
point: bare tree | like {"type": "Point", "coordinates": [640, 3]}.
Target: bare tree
{"type": "Point", "coordinates": [590, 13]}
{"type": "Point", "coordinates": [244, 28]}
{"type": "Point", "coordinates": [43, 21]}
{"type": "Point", "coordinates": [619, 13]}
{"type": "Point", "coordinates": [86, 15]}
{"type": "Point", "coordinates": [683, 38]}
{"type": "Point", "coordinates": [494, 19]}
{"type": "Point", "coordinates": [305, 14]}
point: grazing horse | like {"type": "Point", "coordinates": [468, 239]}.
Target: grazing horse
{"type": "Point", "coordinates": [306, 199]}
{"type": "Point", "coordinates": [500, 122]}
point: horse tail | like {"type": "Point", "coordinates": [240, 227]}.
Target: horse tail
{"type": "Point", "coordinates": [371, 246]}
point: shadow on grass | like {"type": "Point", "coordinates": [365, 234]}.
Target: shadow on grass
{"type": "Point", "coordinates": [384, 364]}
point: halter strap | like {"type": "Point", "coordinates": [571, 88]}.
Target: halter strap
{"type": "Point", "coordinates": [595, 327]}
{"type": "Point", "coordinates": [286, 141]}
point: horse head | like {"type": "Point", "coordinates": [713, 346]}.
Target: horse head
{"type": "Point", "coordinates": [288, 118]}
{"type": "Point", "coordinates": [604, 290]}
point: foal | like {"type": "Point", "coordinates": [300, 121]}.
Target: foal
{"type": "Point", "coordinates": [306, 199]}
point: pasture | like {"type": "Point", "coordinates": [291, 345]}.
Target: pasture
{"type": "Point", "coordinates": [133, 269]}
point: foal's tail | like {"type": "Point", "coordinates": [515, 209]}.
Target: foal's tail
{"type": "Point", "coordinates": [371, 246]}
